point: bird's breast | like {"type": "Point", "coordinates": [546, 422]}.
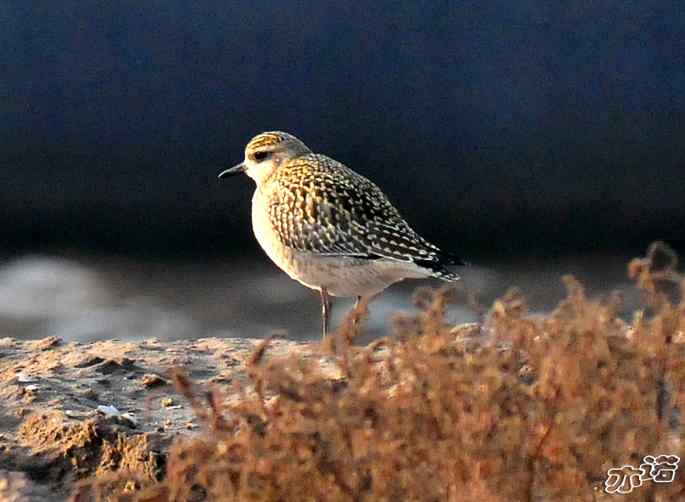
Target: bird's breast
{"type": "Point", "coordinates": [265, 233]}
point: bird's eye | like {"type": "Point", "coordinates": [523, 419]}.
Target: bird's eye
{"type": "Point", "coordinates": [259, 156]}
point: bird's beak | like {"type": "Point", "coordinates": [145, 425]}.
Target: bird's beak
{"type": "Point", "coordinates": [240, 168]}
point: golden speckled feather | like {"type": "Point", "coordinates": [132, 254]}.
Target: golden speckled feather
{"type": "Point", "coordinates": [321, 206]}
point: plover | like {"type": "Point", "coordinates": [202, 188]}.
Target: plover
{"type": "Point", "coordinates": [329, 227]}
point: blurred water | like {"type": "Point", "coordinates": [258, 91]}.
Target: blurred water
{"type": "Point", "coordinates": [88, 298]}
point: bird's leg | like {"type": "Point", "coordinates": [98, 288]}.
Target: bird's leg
{"type": "Point", "coordinates": [356, 306]}
{"type": "Point", "coordinates": [325, 310]}
{"type": "Point", "coordinates": [357, 302]}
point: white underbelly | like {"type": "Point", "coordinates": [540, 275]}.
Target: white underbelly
{"type": "Point", "coordinates": [267, 238]}
{"type": "Point", "coordinates": [342, 276]}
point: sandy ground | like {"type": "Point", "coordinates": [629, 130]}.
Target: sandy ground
{"type": "Point", "coordinates": [69, 410]}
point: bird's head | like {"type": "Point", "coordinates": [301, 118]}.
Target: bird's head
{"type": "Point", "coordinates": [265, 153]}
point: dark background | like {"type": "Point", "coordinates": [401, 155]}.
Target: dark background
{"type": "Point", "coordinates": [496, 127]}
{"type": "Point", "coordinates": [535, 138]}
{"type": "Point", "coordinates": [500, 126]}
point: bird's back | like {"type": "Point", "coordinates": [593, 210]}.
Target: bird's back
{"type": "Point", "coordinates": [319, 206]}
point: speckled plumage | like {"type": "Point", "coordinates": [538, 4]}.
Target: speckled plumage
{"type": "Point", "coordinates": [329, 227]}
{"type": "Point", "coordinates": [322, 207]}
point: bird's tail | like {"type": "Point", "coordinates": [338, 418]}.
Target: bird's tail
{"type": "Point", "coordinates": [446, 275]}
{"type": "Point", "coordinates": [438, 268]}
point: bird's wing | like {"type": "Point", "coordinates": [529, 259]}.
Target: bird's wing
{"type": "Point", "coordinates": [330, 210]}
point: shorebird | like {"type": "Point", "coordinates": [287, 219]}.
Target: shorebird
{"type": "Point", "coordinates": [329, 228]}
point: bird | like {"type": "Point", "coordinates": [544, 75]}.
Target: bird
{"type": "Point", "coordinates": [330, 228]}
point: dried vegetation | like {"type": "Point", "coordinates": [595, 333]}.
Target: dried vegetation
{"type": "Point", "coordinates": [525, 408]}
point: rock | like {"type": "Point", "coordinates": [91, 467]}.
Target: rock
{"type": "Point", "coordinates": [47, 343]}
{"type": "Point", "coordinates": [89, 361]}
{"type": "Point", "coordinates": [150, 381]}
{"type": "Point", "coordinates": [113, 365]}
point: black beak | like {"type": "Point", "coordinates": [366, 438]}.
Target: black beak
{"type": "Point", "coordinates": [240, 168]}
